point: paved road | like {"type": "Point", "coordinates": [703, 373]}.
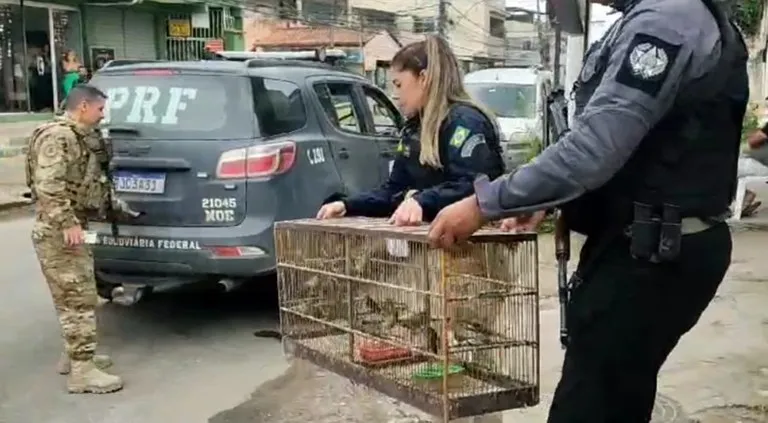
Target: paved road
{"type": "Point", "coordinates": [183, 361]}
{"type": "Point", "coordinates": [191, 359]}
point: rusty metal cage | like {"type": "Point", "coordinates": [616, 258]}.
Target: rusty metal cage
{"type": "Point", "coordinates": [453, 333]}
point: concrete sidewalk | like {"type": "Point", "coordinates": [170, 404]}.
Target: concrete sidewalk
{"type": "Point", "coordinates": [13, 145]}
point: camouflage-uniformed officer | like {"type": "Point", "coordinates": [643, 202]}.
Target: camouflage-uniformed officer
{"type": "Point", "coordinates": [67, 188]}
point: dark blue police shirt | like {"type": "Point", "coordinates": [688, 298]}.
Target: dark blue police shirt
{"type": "Point", "coordinates": [468, 147]}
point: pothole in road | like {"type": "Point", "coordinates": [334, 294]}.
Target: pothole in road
{"type": "Point", "coordinates": [732, 414]}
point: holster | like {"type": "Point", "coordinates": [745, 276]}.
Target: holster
{"type": "Point", "coordinates": [656, 233]}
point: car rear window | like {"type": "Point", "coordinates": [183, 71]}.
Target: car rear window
{"type": "Point", "coordinates": [178, 106]}
{"type": "Point", "coordinates": [279, 106]}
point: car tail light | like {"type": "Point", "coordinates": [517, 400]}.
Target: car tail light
{"type": "Point", "coordinates": [259, 161]}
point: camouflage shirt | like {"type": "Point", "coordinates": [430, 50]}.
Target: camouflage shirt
{"type": "Point", "coordinates": [58, 171]}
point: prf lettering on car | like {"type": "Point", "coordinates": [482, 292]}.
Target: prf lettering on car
{"type": "Point", "coordinates": [144, 101]}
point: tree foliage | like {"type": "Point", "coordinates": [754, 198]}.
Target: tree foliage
{"type": "Point", "coordinates": [747, 14]}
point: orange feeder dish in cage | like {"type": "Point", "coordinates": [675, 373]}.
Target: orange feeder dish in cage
{"type": "Point", "coordinates": [371, 351]}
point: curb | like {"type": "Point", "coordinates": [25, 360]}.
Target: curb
{"type": "Point", "coordinates": [745, 226]}
{"type": "Point", "coordinates": [18, 141]}
{"type": "Point", "coordinates": [26, 117]}
{"type": "Point", "coordinates": [14, 205]}
{"type": "Point", "coordinates": [12, 151]}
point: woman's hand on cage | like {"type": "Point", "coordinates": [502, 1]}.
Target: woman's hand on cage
{"type": "Point", "coordinates": [409, 213]}
{"type": "Point", "coordinates": [332, 210]}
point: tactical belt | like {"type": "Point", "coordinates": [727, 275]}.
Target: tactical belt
{"type": "Point", "coordinates": [692, 225]}
{"type": "Point", "coordinates": [688, 226]}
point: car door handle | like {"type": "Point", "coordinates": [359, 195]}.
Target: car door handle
{"type": "Point", "coordinates": [387, 154]}
{"type": "Point", "coordinates": [343, 153]}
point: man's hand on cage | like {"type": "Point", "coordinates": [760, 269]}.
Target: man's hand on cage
{"type": "Point", "coordinates": [409, 213]}
{"type": "Point", "coordinates": [332, 210]}
{"type": "Point", "coordinates": [455, 223]}
{"type": "Point", "coordinates": [526, 223]}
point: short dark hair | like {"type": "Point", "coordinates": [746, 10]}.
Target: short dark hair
{"type": "Point", "coordinates": [83, 92]}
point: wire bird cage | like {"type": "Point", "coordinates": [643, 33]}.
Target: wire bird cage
{"type": "Point", "coordinates": [454, 333]}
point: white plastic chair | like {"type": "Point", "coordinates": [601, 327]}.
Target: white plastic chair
{"type": "Point", "coordinates": [741, 190]}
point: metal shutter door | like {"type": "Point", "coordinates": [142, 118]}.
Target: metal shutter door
{"type": "Point", "coordinates": [140, 32]}
{"type": "Point", "coordinates": [104, 27]}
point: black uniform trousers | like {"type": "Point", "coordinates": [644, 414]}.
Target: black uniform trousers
{"type": "Point", "coordinates": [624, 320]}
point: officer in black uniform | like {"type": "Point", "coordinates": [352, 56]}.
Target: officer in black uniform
{"type": "Point", "coordinates": [467, 143]}
{"type": "Point", "coordinates": [647, 173]}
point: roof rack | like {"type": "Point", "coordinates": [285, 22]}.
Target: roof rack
{"type": "Point", "coordinates": [124, 62]}
{"type": "Point", "coordinates": [265, 63]}
{"type": "Point", "coordinates": [319, 55]}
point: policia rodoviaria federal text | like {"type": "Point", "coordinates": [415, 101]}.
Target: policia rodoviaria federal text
{"type": "Point", "coordinates": [68, 179]}
{"type": "Point", "coordinates": [647, 173]}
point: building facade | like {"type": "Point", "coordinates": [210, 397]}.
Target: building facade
{"type": "Point", "coordinates": [531, 40]}
{"type": "Point", "coordinates": [475, 29]}
{"type": "Point", "coordinates": [36, 36]}
{"type": "Point", "coordinates": [369, 38]}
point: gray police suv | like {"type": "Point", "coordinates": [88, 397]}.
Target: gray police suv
{"type": "Point", "coordinates": [214, 152]}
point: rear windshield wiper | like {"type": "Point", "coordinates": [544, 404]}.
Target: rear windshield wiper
{"type": "Point", "coordinates": [122, 130]}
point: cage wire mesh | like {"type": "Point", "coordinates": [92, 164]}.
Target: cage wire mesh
{"type": "Point", "coordinates": [454, 333]}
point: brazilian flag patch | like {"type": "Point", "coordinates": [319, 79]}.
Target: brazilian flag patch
{"type": "Point", "coordinates": [459, 136]}
{"type": "Point", "coordinates": [403, 149]}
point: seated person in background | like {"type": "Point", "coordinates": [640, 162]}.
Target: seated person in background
{"type": "Point", "coordinates": [754, 163]}
{"type": "Point", "coordinates": [447, 141]}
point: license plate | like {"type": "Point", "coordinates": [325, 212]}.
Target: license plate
{"type": "Point", "coordinates": [140, 183]}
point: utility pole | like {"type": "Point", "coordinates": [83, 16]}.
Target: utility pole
{"type": "Point", "coordinates": [333, 24]}
{"type": "Point", "coordinates": [442, 18]}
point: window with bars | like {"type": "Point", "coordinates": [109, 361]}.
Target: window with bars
{"type": "Point", "coordinates": [423, 25]}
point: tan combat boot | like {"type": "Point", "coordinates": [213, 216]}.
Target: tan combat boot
{"type": "Point", "coordinates": [100, 360]}
{"type": "Point", "coordinates": [85, 377]}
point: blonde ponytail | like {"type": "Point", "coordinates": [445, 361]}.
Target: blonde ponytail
{"type": "Point", "coordinates": [444, 87]}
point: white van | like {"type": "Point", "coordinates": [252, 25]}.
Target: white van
{"type": "Point", "coordinates": [515, 95]}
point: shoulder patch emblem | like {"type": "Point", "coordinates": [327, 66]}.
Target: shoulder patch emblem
{"type": "Point", "coordinates": [469, 146]}
{"type": "Point", "coordinates": [647, 63]}
{"type": "Point", "coordinates": [459, 136]}
{"type": "Point", "coordinates": [50, 151]}
{"type": "Point", "coordinates": [403, 149]}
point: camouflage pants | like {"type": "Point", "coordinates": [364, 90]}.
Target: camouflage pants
{"type": "Point", "coordinates": [69, 273]}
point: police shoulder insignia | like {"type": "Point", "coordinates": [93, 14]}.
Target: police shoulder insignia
{"type": "Point", "coordinates": [50, 150]}
{"type": "Point", "coordinates": [647, 63]}
{"type": "Point", "coordinates": [469, 146]}
{"type": "Point", "coordinates": [459, 136]}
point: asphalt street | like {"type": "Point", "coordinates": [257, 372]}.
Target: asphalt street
{"type": "Point", "coordinates": [183, 358]}
{"type": "Point", "coordinates": [194, 358]}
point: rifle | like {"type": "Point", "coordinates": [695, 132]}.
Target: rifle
{"type": "Point", "coordinates": [114, 207]}
{"type": "Point", "coordinates": [110, 210]}
{"type": "Point", "coordinates": [556, 124]}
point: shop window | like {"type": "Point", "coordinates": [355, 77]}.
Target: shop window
{"type": "Point", "coordinates": [32, 74]}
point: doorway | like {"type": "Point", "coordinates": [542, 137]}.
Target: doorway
{"type": "Point", "coordinates": [40, 66]}
{"type": "Point", "coordinates": [32, 76]}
